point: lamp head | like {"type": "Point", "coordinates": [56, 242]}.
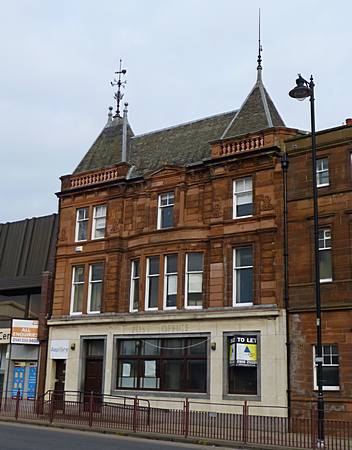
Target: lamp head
{"type": "Point", "coordinates": [301, 90]}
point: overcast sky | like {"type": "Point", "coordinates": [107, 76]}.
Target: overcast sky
{"type": "Point", "coordinates": [186, 59]}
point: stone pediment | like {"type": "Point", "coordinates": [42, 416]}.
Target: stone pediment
{"type": "Point", "coordinates": [168, 170]}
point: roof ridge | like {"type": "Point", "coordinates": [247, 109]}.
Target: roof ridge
{"type": "Point", "coordinates": [265, 103]}
{"type": "Point", "coordinates": [184, 124]}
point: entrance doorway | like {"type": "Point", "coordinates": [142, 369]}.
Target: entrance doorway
{"type": "Point", "coordinates": [93, 376]}
{"type": "Point", "coordinates": [59, 387]}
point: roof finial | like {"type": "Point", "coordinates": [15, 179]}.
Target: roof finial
{"type": "Point", "coordinates": [260, 49]}
{"type": "Point", "coordinates": [118, 95]}
{"type": "Point", "coordinates": [110, 114]}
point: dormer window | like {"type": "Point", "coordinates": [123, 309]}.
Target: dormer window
{"type": "Point", "coordinates": [166, 210]}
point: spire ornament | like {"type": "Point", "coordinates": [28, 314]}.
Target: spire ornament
{"type": "Point", "coordinates": [118, 95]}
{"type": "Point", "coordinates": [260, 49]}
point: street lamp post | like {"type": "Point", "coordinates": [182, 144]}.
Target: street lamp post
{"type": "Point", "coordinates": [302, 90]}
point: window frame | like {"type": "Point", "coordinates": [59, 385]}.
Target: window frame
{"type": "Point", "coordinates": [187, 306]}
{"type": "Point", "coordinates": [325, 249]}
{"type": "Point", "coordinates": [147, 283]}
{"type": "Point", "coordinates": [133, 278]}
{"type": "Point", "coordinates": [235, 196]}
{"type": "Point", "coordinates": [166, 276]}
{"type": "Point", "coordinates": [160, 207]}
{"type": "Point", "coordinates": [235, 302]}
{"type": "Point", "coordinates": [73, 285]}
{"type": "Point", "coordinates": [94, 222]}
{"type": "Point", "coordinates": [79, 221]}
{"type": "Point", "coordinates": [315, 366]}
{"type": "Point", "coordinates": [90, 282]}
{"type": "Point", "coordinates": [319, 172]}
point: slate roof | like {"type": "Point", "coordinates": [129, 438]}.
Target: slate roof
{"type": "Point", "coordinates": [257, 112]}
{"type": "Point", "coordinates": [182, 144]}
{"type": "Point", "coordinates": [27, 249]}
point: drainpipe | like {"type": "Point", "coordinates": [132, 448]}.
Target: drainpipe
{"type": "Point", "coordinates": [124, 135]}
{"type": "Point", "coordinates": [284, 166]}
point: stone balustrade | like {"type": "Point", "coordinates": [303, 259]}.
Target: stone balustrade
{"type": "Point", "coordinates": [100, 176]}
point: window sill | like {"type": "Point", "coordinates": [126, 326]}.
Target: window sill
{"type": "Point", "coordinates": [327, 280]}
{"type": "Point", "coordinates": [155, 393]}
{"type": "Point", "coordinates": [323, 185]}
{"type": "Point", "coordinates": [242, 217]}
{"type": "Point", "coordinates": [328, 388]}
{"type": "Point", "coordinates": [193, 307]}
{"type": "Point", "coordinates": [76, 313]}
{"type": "Point", "coordinates": [242, 397]}
{"type": "Point", "coordinates": [239, 305]}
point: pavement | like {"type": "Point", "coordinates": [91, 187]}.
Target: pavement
{"type": "Point", "coordinates": [16, 436]}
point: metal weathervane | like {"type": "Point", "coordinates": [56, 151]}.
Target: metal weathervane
{"type": "Point", "coordinates": [118, 96]}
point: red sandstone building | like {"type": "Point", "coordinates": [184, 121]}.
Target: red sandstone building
{"type": "Point", "coordinates": [170, 271]}
{"type": "Point", "coordinates": [334, 181]}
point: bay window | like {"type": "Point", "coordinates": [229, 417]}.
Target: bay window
{"type": "Point", "coordinates": [170, 281]}
{"type": "Point", "coordinates": [152, 283]}
{"type": "Point", "coordinates": [242, 276]}
{"type": "Point", "coordinates": [194, 280]}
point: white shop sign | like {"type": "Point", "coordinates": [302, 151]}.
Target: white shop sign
{"type": "Point", "coordinates": [59, 349]}
{"type": "Point", "coordinates": [5, 334]}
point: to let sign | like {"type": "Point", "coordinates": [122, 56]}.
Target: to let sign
{"type": "Point", "coordinates": [24, 332]}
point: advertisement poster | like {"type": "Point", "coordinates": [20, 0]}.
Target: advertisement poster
{"type": "Point", "coordinates": [18, 378]}
{"type": "Point", "coordinates": [243, 351]}
{"type": "Point", "coordinates": [24, 332]}
{"type": "Point", "coordinates": [32, 381]}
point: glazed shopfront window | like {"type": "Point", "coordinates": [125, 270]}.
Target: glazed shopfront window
{"type": "Point", "coordinates": [175, 364]}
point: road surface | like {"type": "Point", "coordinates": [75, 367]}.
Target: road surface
{"type": "Point", "coordinates": [14, 436]}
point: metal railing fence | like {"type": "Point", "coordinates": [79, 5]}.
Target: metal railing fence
{"type": "Point", "coordinates": [189, 419]}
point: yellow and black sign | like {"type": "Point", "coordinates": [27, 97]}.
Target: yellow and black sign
{"type": "Point", "coordinates": [243, 351]}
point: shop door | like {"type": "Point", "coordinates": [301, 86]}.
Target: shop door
{"type": "Point", "coordinates": [59, 394]}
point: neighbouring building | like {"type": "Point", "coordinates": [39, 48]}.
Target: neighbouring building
{"type": "Point", "coordinates": [169, 266]}
{"type": "Point", "coordinates": [334, 182]}
{"type": "Point", "coordinates": [27, 257]}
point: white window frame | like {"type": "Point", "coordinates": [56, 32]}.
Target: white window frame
{"type": "Point", "coordinates": [236, 193]}
{"type": "Point", "coordinates": [325, 388]}
{"type": "Point", "coordinates": [90, 282]}
{"type": "Point", "coordinates": [187, 272]}
{"type": "Point", "coordinates": [160, 206]}
{"type": "Point", "coordinates": [78, 221]}
{"type": "Point", "coordinates": [94, 229]}
{"type": "Point", "coordinates": [321, 171]}
{"type": "Point", "coordinates": [235, 303]}
{"type": "Point", "coordinates": [132, 283]}
{"type": "Point", "coordinates": [147, 278]}
{"type": "Point", "coordinates": [325, 248]}
{"type": "Point", "coordinates": [73, 284]}
{"type": "Point", "coordinates": [166, 275]}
